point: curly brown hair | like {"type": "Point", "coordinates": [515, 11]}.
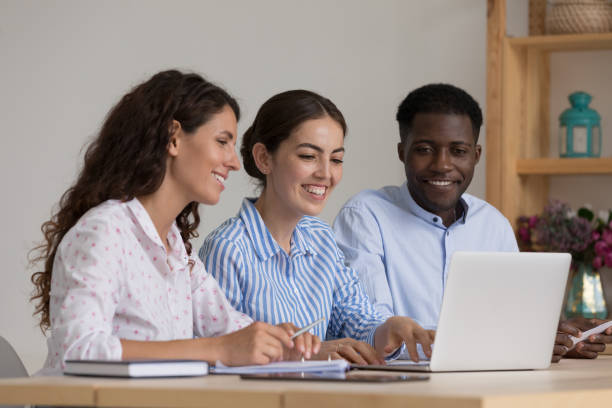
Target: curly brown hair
{"type": "Point", "coordinates": [128, 159]}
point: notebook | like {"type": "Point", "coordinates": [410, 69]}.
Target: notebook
{"type": "Point", "coordinates": [500, 311]}
{"type": "Point", "coordinates": [136, 368]}
{"type": "Point", "coordinates": [309, 366]}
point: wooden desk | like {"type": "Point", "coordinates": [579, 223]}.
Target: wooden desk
{"type": "Point", "coordinates": [47, 391]}
{"type": "Point", "coordinates": [212, 391]}
{"type": "Point", "coordinates": [571, 383]}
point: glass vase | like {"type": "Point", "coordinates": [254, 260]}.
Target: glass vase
{"type": "Point", "coordinates": [585, 297]}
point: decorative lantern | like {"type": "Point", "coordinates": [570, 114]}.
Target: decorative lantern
{"type": "Point", "coordinates": [580, 129]}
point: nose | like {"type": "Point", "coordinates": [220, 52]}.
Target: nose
{"type": "Point", "coordinates": [323, 170]}
{"type": "Point", "coordinates": [442, 161]}
{"type": "Point", "coordinates": [232, 161]}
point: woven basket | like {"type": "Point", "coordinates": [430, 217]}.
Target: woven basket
{"type": "Point", "coordinates": [579, 16]}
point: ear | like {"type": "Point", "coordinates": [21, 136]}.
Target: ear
{"type": "Point", "coordinates": [263, 159]}
{"type": "Point", "coordinates": [477, 152]}
{"type": "Point", "coordinates": [176, 133]}
{"type": "Point", "coordinates": [400, 151]}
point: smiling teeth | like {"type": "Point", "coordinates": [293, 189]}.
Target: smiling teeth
{"type": "Point", "coordinates": [316, 190]}
{"type": "Point", "coordinates": [219, 178]}
{"type": "Point", "coordinates": [439, 183]}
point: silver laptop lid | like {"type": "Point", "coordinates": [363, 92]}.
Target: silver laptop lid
{"type": "Point", "coordinates": [500, 311]}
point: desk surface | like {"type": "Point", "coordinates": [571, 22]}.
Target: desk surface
{"type": "Point", "coordinates": [569, 383]}
{"type": "Point", "coordinates": [47, 391]}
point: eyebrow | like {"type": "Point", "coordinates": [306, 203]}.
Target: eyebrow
{"type": "Point", "coordinates": [318, 149]}
{"type": "Point", "coordinates": [229, 134]}
{"type": "Point", "coordinates": [452, 143]}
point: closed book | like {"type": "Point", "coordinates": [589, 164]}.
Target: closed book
{"type": "Point", "coordinates": [136, 368]}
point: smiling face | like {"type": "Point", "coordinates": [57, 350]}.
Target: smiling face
{"type": "Point", "coordinates": [200, 162]}
{"type": "Point", "coordinates": [303, 171]}
{"type": "Point", "coordinates": [439, 156]}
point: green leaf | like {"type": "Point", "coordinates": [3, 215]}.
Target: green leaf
{"type": "Point", "coordinates": [586, 213]}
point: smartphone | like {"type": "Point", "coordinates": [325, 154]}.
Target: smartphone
{"type": "Point", "coordinates": [351, 376]}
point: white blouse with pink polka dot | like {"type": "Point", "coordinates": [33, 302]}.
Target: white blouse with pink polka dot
{"type": "Point", "coordinates": [113, 279]}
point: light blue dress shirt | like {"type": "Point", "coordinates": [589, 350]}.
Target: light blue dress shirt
{"type": "Point", "coordinates": [262, 281]}
{"type": "Point", "coordinates": [402, 252]}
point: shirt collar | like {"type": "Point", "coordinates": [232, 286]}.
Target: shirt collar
{"type": "Point", "coordinates": [427, 216]}
{"type": "Point", "coordinates": [299, 244]}
{"type": "Point", "coordinates": [141, 217]}
{"type": "Point", "coordinates": [464, 204]}
{"type": "Point", "coordinates": [264, 243]}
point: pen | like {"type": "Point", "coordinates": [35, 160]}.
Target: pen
{"type": "Point", "coordinates": [305, 329]}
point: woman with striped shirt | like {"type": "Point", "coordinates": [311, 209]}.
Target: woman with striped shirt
{"type": "Point", "coordinates": [276, 261]}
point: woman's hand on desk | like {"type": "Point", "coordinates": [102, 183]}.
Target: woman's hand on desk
{"type": "Point", "coordinates": [586, 349]}
{"type": "Point", "coordinates": [401, 329]}
{"type": "Point", "coordinates": [259, 343]}
{"type": "Point", "coordinates": [353, 351]}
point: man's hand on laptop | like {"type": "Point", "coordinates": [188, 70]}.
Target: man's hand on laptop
{"type": "Point", "coordinates": [400, 329]}
{"type": "Point", "coordinates": [589, 348]}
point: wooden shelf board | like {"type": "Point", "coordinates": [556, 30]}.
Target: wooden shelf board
{"type": "Point", "coordinates": [565, 42]}
{"type": "Point", "coordinates": [552, 167]}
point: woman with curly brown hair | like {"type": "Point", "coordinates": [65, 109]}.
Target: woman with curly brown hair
{"type": "Point", "coordinates": [119, 279]}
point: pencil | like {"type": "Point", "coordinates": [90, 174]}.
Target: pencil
{"type": "Point", "coordinates": [305, 329]}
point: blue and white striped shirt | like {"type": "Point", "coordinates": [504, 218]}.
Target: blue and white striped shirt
{"type": "Point", "coordinates": [402, 252]}
{"type": "Point", "coordinates": [262, 281]}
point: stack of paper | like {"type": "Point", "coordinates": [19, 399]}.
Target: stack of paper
{"type": "Point", "coordinates": [309, 366]}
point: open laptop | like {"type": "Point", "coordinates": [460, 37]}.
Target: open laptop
{"type": "Point", "coordinates": [500, 311]}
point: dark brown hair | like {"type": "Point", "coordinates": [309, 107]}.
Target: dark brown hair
{"type": "Point", "coordinates": [128, 159]}
{"type": "Point", "coordinates": [278, 117]}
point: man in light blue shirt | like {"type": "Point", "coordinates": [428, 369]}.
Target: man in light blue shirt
{"type": "Point", "coordinates": [402, 251]}
{"type": "Point", "coordinates": [400, 239]}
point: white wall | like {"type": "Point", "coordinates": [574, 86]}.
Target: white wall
{"type": "Point", "coordinates": [63, 64]}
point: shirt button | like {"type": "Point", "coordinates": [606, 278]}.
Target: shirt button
{"type": "Point", "coordinates": [435, 219]}
{"type": "Point", "coordinates": [296, 291]}
{"type": "Point", "coordinates": [447, 233]}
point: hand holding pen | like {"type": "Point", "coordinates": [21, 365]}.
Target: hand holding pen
{"type": "Point", "coordinates": [305, 343]}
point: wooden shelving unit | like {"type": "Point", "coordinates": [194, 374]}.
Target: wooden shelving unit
{"type": "Point", "coordinates": [561, 43]}
{"type": "Point", "coordinates": [557, 167]}
{"type": "Point", "coordinates": [517, 123]}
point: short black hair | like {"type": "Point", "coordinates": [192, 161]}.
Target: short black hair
{"type": "Point", "coordinates": [438, 98]}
